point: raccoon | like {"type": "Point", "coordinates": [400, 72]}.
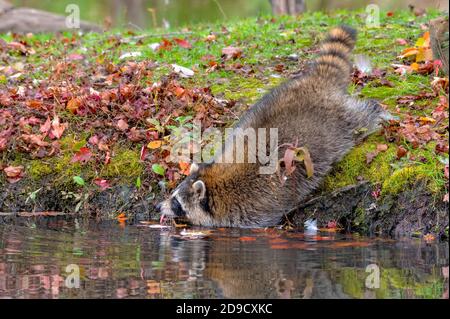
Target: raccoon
{"type": "Point", "coordinates": [314, 111]}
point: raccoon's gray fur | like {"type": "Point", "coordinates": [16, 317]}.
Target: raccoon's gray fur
{"type": "Point", "coordinates": [314, 111]}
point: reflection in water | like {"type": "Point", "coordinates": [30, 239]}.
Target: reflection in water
{"type": "Point", "coordinates": [134, 261]}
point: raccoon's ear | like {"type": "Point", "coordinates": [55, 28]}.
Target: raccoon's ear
{"type": "Point", "coordinates": [199, 189]}
{"type": "Point", "coordinates": [193, 168]}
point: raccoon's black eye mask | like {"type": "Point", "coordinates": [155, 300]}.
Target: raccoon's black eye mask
{"type": "Point", "coordinates": [176, 208]}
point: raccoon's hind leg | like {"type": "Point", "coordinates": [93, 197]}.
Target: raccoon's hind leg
{"type": "Point", "coordinates": [366, 117]}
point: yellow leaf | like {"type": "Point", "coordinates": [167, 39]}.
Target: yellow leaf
{"type": "Point", "coordinates": [424, 41]}
{"type": "Point", "coordinates": [425, 119]}
{"type": "Point", "coordinates": [154, 144]}
{"type": "Point", "coordinates": [424, 54]}
{"type": "Point", "coordinates": [303, 155]}
{"type": "Point", "coordinates": [414, 66]}
{"type": "Point", "coordinates": [409, 52]}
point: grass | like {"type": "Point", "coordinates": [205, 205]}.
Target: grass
{"type": "Point", "coordinates": [265, 43]}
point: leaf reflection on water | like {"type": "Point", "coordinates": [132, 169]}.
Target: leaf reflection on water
{"type": "Point", "coordinates": [139, 262]}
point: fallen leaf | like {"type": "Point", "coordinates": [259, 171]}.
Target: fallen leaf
{"type": "Point", "coordinates": [83, 155]}
{"type": "Point", "coordinates": [102, 183]}
{"type": "Point", "coordinates": [401, 152]}
{"type": "Point", "coordinates": [58, 128]}
{"type": "Point", "coordinates": [122, 125]}
{"type": "Point", "coordinates": [183, 43]}
{"type": "Point", "coordinates": [14, 173]}
{"type": "Point", "coordinates": [247, 238]}
{"type": "Point", "coordinates": [154, 144]}
{"type": "Point", "coordinates": [231, 52]}
{"type": "Point", "coordinates": [182, 71]}
{"type": "Point", "coordinates": [184, 168]}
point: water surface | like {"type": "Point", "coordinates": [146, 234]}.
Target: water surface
{"type": "Point", "coordinates": [138, 262]}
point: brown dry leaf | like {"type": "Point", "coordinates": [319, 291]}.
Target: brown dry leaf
{"type": "Point", "coordinates": [13, 173]}
{"type": "Point", "coordinates": [401, 152]}
{"type": "Point", "coordinates": [73, 105]}
{"type": "Point", "coordinates": [231, 52]}
{"type": "Point", "coordinates": [122, 125]}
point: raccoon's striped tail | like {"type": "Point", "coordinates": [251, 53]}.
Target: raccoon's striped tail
{"type": "Point", "coordinates": [333, 61]}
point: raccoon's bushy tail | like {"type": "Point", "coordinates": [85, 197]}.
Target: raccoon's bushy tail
{"type": "Point", "coordinates": [333, 61]}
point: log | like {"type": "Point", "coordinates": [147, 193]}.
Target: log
{"type": "Point", "coordinates": [25, 20]}
{"type": "Point", "coordinates": [292, 7]}
{"type": "Point", "coordinates": [440, 40]}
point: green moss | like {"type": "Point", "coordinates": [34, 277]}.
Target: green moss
{"type": "Point", "coordinates": [37, 169]}
{"type": "Point", "coordinates": [73, 143]}
{"type": "Point", "coordinates": [386, 170]}
{"type": "Point", "coordinates": [125, 164]}
{"type": "Point", "coordinates": [353, 166]}
{"type": "Point", "coordinates": [240, 88]}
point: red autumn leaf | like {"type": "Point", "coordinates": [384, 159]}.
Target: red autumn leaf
{"type": "Point", "coordinates": [247, 238]}
{"type": "Point", "coordinates": [165, 45]}
{"type": "Point", "coordinates": [83, 155]}
{"type": "Point", "coordinates": [107, 158]}
{"type": "Point", "coordinates": [58, 128]}
{"type": "Point", "coordinates": [288, 160]}
{"type": "Point", "coordinates": [102, 183]}
{"type": "Point", "coordinates": [34, 104]}
{"type": "Point", "coordinates": [332, 224]}
{"type": "Point", "coordinates": [3, 143]}
{"type": "Point", "coordinates": [34, 139]}
{"type": "Point", "coordinates": [390, 13]}
{"type": "Point", "coordinates": [13, 173]}
{"type": "Point", "coordinates": [184, 167]}
{"type": "Point", "coordinates": [183, 43]}
{"type": "Point", "coordinates": [75, 57]}
{"type": "Point", "coordinates": [46, 126]}
{"type": "Point", "coordinates": [93, 140]}
{"type": "Point", "coordinates": [401, 41]}
{"type": "Point", "coordinates": [401, 152]}
{"type": "Point", "coordinates": [144, 151]}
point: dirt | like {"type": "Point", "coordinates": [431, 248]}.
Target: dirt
{"type": "Point", "coordinates": [413, 212]}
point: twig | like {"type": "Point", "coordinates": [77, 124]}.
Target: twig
{"type": "Point", "coordinates": [154, 35]}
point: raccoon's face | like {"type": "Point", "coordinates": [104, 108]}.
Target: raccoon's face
{"type": "Point", "coordinates": [188, 200]}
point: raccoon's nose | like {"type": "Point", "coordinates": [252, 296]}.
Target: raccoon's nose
{"type": "Point", "coordinates": [158, 207]}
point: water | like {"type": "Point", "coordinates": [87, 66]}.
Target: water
{"type": "Point", "coordinates": [176, 13]}
{"type": "Point", "coordinates": [130, 261]}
